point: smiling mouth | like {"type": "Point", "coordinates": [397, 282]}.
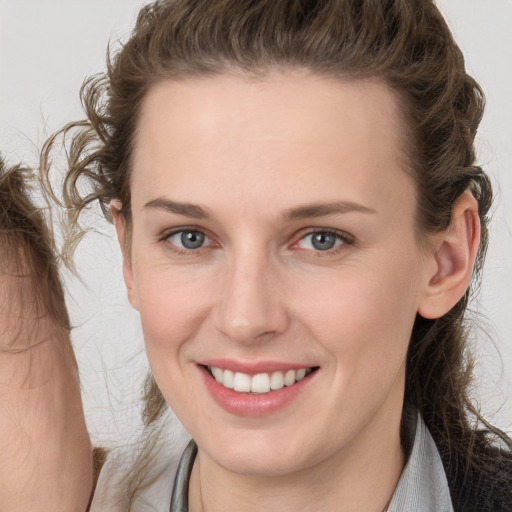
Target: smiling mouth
{"type": "Point", "coordinates": [259, 383]}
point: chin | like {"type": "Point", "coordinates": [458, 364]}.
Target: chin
{"type": "Point", "coordinates": [259, 454]}
{"type": "Point", "coordinates": [249, 464]}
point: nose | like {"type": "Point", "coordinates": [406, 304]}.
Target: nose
{"type": "Point", "coordinates": [251, 304]}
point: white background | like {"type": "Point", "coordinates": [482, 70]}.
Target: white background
{"type": "Point", "coordinates": [47, 47]}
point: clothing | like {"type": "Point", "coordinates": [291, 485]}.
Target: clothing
{"type": "Point", "coordinates": [179, 500]}
{"type": "Point", "coordinates": [422, 486]}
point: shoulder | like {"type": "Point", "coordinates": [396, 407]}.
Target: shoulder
{"type": "Point", "coordinates": [140, 477]}
{"type": "Point", "coordinates": [485, 483]}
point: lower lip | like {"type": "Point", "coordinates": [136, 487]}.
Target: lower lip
{"type": "Point", "coordinates": [253, 405]}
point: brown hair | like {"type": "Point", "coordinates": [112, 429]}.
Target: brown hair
{"type": "Point", "coordinates": [26, 244]}
{"type": "Point", "coordinates": [405, 44]}
{"type": "Point", "coordinates": [28, 252]}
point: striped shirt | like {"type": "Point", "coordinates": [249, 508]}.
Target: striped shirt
{"type": "Point", "coordinates": [422, 486]}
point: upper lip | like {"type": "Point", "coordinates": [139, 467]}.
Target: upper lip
{"type": "Point", "coordinates": [253, 367]}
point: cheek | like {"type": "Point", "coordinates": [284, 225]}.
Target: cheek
{"type": "Point", "coordinates": [172, 306]}
{"type": "Point", "coordinates": [364, 316]}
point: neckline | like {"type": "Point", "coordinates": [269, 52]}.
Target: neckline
{"type": "Point", "coordinates": [179, 500]}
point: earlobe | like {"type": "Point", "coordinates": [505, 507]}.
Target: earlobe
{"type": "Point", "coordinates": [454, 253]}
{"type": "Point", "coordinates": [120, 225]}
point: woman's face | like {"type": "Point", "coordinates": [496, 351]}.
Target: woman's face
{"type": "Point", "coordinates": [274, 235]}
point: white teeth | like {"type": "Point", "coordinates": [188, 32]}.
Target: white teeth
{"type": "Point", "coordinates": [277, 380]}
{"type": "Point", "coordinates": [217, 373]}
{"type": "Point", "coordinates": [300, 374]}
{"type": "Point", "coordinates": [228, 379]}
{"type": "Point", "coordinates": [289, 378]}
{"type": "Point", "coordinates": [259, 383]}
{"type": "Point", "coordinates": [242, 382]}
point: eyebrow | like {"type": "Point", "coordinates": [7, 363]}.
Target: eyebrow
{"type": "Point", "coordinates": [301, 212]}
{"type": "Point", "coordinates": [186, 209]}
{"type": "Point", "coordinates": [324, 209]}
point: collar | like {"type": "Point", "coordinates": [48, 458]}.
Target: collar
{"type": "Point", "coordinates": [422, 487]}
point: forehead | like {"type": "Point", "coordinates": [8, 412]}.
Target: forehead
{"type": "Point", "coordinates": [298, 130]}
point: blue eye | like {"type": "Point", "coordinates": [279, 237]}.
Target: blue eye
{"type": "Point", "coordinates": [321, 241]}
{"type": "Point", "coordinates": [188, 239]}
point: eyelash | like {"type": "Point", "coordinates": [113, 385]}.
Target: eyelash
{"type": "Point", "coordinates": [345, 238]}
{"type": "Point", "coordinates": [165, 237]}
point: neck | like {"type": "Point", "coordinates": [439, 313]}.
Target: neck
{"type": "Point", "coordinates": [361, 476]}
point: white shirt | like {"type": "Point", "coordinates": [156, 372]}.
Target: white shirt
{"type": "Point", "coordinates": [422, 487]}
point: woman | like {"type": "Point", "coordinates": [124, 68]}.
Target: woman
{"type": "Point", "coordinates": [46, 454]}
{"type": "Point", "coordinates": [294, 189]}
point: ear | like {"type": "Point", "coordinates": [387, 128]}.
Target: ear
{"type": "Point", "coordinates": [120, 225]}
{"type": "Point", "coordinates": [454, 253]}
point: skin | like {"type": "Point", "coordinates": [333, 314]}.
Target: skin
{"type": "Point", "coordinates": [248, 153]}
{"type": "Point", "coordinates": [46, 462]}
